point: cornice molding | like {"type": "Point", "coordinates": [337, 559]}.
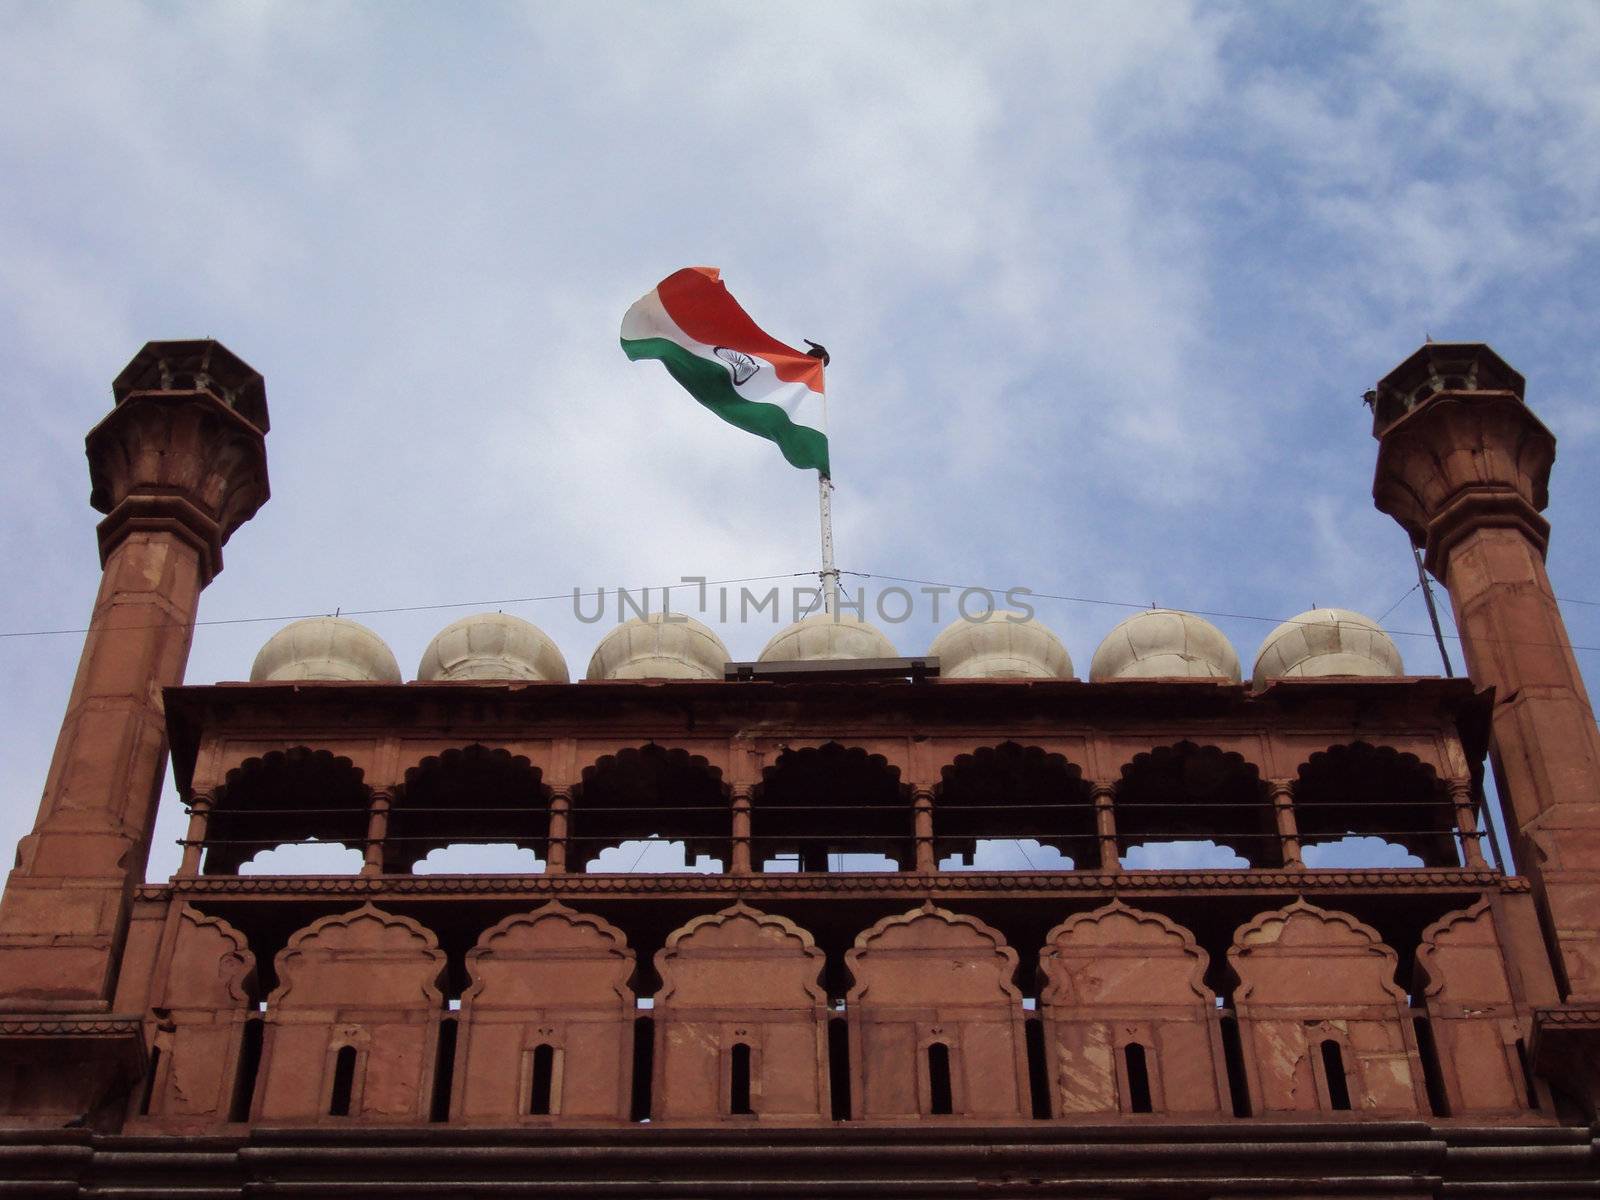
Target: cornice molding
{"type": "Point", "coordinates": [852, 886]}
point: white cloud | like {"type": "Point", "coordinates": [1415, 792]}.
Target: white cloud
{"type": "Point", "coordinates": [1101, 292]}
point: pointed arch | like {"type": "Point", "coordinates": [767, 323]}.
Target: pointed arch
{"type": "Point", "coordinates": [1357, 789]}
{"type": "Point", "coordinates": [328, 962]}
{"type": "Point", "coordinates": [650, 792]}
{"type": "Point", "coordinates": [473, 794]}
{"type": "Point", "coordinates": [292, 795]}
{"type": "Point", "coordinates": [207, 995]}
{"type": "Point", "coordinates": [1131, 1024]}
{"type": "Point", "coordinates": [820, 802]}
{"type": "Point", "coordinates": [1010, 792]}
{"type": "Point", "coordinates": [1472, 1013]}
{"type": "Point", "coordinates": [1188, 792]}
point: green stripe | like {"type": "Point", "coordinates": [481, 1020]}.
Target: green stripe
{"type": "Point", "coordinates": [710, 384]}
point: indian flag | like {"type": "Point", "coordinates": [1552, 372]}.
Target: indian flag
{"type": "Point", "coordinates": [711, 346]}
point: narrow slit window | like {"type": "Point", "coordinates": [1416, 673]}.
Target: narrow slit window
{"type": "Point", "coordinates": [244, 1084]}
{"type": "Point", "coordinates": [1233, 1058]}
{"type": "Point", "coordinates": [1038, 1069]}
{"type": "Point", "coordinates": [644, 1055]}
{"type": "Point", "coordinates": [544, 1073]}
{"type": "Point", "coordinates": [739, 1084]}
{"type": "Point", "coordinates": [1432, 1072]}
{"type": "Point", "coordinates": [344, 1082]}
{"type": "Point", "coordinates": [839, 1067]}
{"type": "Point", "coordinates": [940, 1101]}
{"type": "Point", "coordinates": [150, 1082]}
{"type": "Point", "coordinates": [444, 1064]}
{"type": "Point", "coordinates": [1333, 1068]}
{"type": "Point", "coordinates": [1527, 1075]}
{"type": "Point", "coordinates": [1138, 1069]}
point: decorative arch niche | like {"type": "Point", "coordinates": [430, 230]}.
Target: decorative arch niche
{"type": "Point", "coordinates": [1461, 972]}
{"type": "Point", "coordinates": [1307, 976]}
{"type": "Point", "coordinates": [207, 994]}
{"type": "Point", "coordinates": [1118, 977]}
{"type": "Point", "coordinates": [926, 979]}
{"type": "Point", "coordinates": [741, 977]}
{"type": "Point", "coordinates": [366, 982]}
{"type": "Point", "coordinates": [552, 978]}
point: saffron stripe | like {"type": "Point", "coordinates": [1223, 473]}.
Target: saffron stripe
{"type": "Point", "coordinates": [703, 308]}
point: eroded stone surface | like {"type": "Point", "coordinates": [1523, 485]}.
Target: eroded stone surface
{"type": "Point", "coordinates": [209, 993]}
{"type": "Point", "coordinates": [557, 978]}
{"type": "Point", "coordinates": [1117, 977]}
{"type": "Point", "coordinates": [367, 980]}
{"type": "Point", "coordinates": [1309, 977]}
{"type": "Point", "coordinates": [932, 977]}
{"type": "Point", "coordinates": [1481, 1040]}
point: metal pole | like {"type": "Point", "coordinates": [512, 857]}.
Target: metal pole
{"type": "Point", "coordinates": [1485, 812]}
{"type": "Point", "coordinates": [829, 573]}
{"type": "Point", "coordinates": [1433, 613]}
{"type": "Point", "coordinates": [1481, 806]}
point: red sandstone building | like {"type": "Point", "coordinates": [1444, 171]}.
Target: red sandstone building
{"type": "Point", "coordinates": [1270, 1031]}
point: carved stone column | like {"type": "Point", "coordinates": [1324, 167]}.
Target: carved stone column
{"type": "Point", "coordinates": [555, 854]}
{"type": "Point", "coordinates": [1288, 828]}
{"type": "Point", "coordinates": [1105, 825]}
{"type": "Point", "coordinates": [926, 857]}
{"type": "Point", "coordinates": [739, 845]}
{"type": "Point", "coordinates": [377, 831]}
{"type": "Point", "coordinates": [1467, 823]}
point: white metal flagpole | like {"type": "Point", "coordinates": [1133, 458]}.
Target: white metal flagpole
{"type": "Point", "coordinates": [830, 573]}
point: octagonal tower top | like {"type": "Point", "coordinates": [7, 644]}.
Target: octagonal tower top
{"type": "Point", "coordinates": [196, 366]}
{"type": "Point", "coordinates": [1440, 367]}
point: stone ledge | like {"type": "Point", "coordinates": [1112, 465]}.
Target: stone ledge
{"type": "Point", "coordinates": [55, 1025]}
{"type": "Point", "coordinates": [1225, 1160]}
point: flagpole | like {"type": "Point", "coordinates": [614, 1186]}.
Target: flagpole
{"type": "Point", "coordinates": [830, 573]}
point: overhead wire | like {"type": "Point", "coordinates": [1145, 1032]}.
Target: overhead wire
{"type": "Point", "coordinates": [573, 594]}
{"type": "Point", "coordinates": [1199, 612]}
{"type": "Point", "coordinates": [576, 594]}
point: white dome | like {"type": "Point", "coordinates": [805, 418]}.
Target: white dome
{"type": "Point", "coordinates": [492, 646]}
{"type": "Point", "coordinates": [825, 637]}
{"type": "Point", "coordinates": [325, 648]}
{"type": "Point", "coordinates": [1327, 641]}
{"type": "Point", "coordinates": [1004, 645]}
{"type": "Point", "coordinates": [658, 648]}
{"type": "Point", "coordinates": [1161, 643]}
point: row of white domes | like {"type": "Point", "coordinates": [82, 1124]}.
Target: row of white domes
{"type": "Point", "coordinates": [1157, 643]}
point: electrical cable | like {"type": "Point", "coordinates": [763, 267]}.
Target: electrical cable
{"type": "Point", "coordinates": [576, 594]}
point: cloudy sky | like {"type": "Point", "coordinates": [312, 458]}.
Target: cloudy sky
{"type": "Point", "coordinates": [1103, 286]}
